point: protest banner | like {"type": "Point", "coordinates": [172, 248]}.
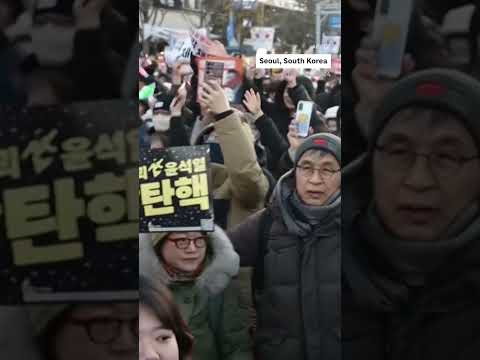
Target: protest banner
{"type": "Point", "coordinates": [200, 42]}
{"type": "Point", "coordinates": [330, 44]}
{"type": "Point", "coordinates": [337, 65]}
{"type": "Point", "coordinates": [68, 207]}
{"type": "Point", "coordinates": [174, 189]}
{"type": "Point", "coordinates": [231, 80]}
{"type": "Point", "coordinates": [262, 37]}
{"type": "Point", "coordinates": [179, 48]}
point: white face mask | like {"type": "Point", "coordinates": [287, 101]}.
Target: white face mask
{"type": "Point", "coordinates": [161, 122]}
{"type": "Point", "coordinates": [53, 44]}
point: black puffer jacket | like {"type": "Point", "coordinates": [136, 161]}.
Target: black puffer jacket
{"type": "Point", "coordinates": [297, 290]}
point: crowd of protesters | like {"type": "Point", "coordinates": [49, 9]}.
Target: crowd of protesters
{"type": "Point", "coordinates": [319, 252]}
{"type": "Point", "coordinates": [63, 51]}
{"type": "Point", "coordinates": [257, 285]}
{"type": "Point", "coordinates": [401, 279]}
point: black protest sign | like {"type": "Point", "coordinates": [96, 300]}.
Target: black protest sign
{"type": "Point", "coordinates": [174, 189]}
{"type": "Point", "coordinates": [69, 203]}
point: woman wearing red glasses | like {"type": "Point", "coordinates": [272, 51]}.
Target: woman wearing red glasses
{"type": "Point", "coordinates": [198, 269]}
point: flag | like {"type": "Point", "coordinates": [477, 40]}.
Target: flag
{"type": "Point", "coordinates": [146, 92]}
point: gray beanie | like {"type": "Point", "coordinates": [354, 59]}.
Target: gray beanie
{"type": "Point", "coordinates": [449, 90]}
{"type": "Point", "coordinates": [322, 141]}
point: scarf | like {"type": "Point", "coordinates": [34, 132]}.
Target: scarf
{"type": "Point", "coordinates": [305, 220]}
{"type": "Point", "coordinates": [413, 262]}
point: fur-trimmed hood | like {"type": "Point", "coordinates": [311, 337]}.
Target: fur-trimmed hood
{"type": "Point", "coordinates": [224, 263]}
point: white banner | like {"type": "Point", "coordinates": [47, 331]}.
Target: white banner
{"type": "Point", "coordinates": [284, 4]}
{"type": "Point", "coordinates": [179, 48]}
{"type": "Point", "coordinates": [330, 44]}
{"type": "Point", "coordinates": [262, 37]}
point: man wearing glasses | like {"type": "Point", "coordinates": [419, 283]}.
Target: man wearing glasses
{"type": "Point", "coordinates": [411, 250]}
{"type": "Point", "coordinates": [294, 247]}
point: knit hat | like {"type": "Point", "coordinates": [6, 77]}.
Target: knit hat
{"type": "Point", "coordinates": [321, 141]}
{"type": "Point", "coordinates": [449, 90]}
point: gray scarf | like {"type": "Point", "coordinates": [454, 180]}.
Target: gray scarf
{"type": "Point", "coordinates": [304, 220]}
{"type": "Point", "coordinates": [414, 261]}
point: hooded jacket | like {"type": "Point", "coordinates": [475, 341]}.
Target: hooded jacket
{"type": "Point", "coordinates": [223, 335]}
{"type": "Point", "coordinates": [298, 297]}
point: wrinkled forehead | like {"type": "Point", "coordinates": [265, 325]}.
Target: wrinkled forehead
{"type": "Point", "coordinates": [426, 126]}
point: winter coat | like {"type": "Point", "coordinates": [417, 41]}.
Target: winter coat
{"type": "Point", "coordinates": [211, 304]}
{"type": "Point", "coordinates": [240, 180]}
{"type": "Point", "coordinates": [297, 290]}
{"type": "Point", "coordinates": [384, 318]}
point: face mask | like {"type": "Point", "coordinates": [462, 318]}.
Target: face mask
{"type": "Point", "coordinates": [52, 44]}
{"type": "Point", "coordinates": [162, 121]}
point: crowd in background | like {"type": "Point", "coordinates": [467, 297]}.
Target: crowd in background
{"type": "Point", "coordinates": [267, 180]}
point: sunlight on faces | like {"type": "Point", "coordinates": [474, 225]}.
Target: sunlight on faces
{"type": "Point", "coordinates": [155, 341]}
{"type": "Point", "coordinates": [72, 341]}
{"type": "Point", "coordinates": [188, 259]}
{"type": "Point", "coordinates": [315, 190]}
{"type": "Point", "coordinates": [421, 201]}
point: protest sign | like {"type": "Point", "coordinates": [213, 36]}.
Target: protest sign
{"type": "Point", "coordinates": [179, 48]}
{"type": "Point", "coordinates": [330, 44]}
{"type": "Point", "coordinates": [68, 207]}
{"type": "Point", "coordinates": [200, 42]}
{"type": "Point", "coordinates": [231, 80]}
{"type": "Point", "coordinates": [174, 189]}
{"type": "Point", "coordinates": [262, 37]}
{"type": "Point", "coordinates": [337, 65]}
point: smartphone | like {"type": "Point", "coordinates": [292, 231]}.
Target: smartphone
{"type": "Point", "coordinates": [391, 28]}
{"type": "Point", "coordinates": [303, 116]}
{"type": "Point", "coordinates": [214, 71]}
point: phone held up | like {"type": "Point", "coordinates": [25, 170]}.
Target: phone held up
{"type": "Point", "coordinates": [303, 117]}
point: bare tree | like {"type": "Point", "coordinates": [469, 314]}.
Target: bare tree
{"type": "Point", "coordinates": [149, 12]}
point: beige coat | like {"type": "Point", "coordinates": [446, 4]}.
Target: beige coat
{"type": "Point", "coordinates": [241, 179]}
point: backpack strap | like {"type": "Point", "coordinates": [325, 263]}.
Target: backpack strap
{"type": "Point", "coordinates": [263, 235]}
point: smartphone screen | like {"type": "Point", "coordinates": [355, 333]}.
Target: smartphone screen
{"type": "Point", "coordinates": [303, 116]}
{"type": "Point", "coordinates": [391, 27]}
{"type": "Point", "coordinates": [214, 71]}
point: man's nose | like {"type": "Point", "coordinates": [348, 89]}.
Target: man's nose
{"type": "Point", "coordinates": [420, 176]}
{"type": "Point", "coordinates": [316, 178]}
